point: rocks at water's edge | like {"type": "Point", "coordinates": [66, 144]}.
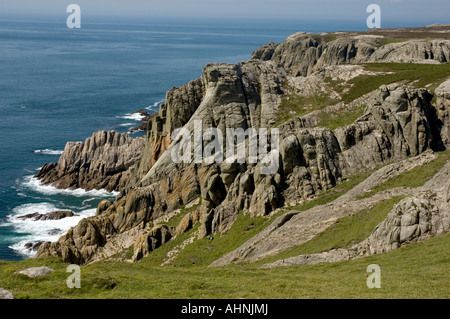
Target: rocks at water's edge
{"type": "Point", "coordinates": [56, 215]}
{"type": "Point", "coordinates": [104, 161]}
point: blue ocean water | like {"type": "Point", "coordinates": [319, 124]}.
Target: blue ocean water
{"type": "Point", "coordinates": [59, 84]}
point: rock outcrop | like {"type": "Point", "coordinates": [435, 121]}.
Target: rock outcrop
{"type": "Point", "coordinates": [148, 242]}
{"type": "Point", "coordinates": [104, 161]}
{"type": "Point", "coordinates": [294, 228]}
{"type": "Point", "coordinates": [443, 111]}
{"type": "Point", "coordinates": [425, 214]}
{"type": "Point", "coordinates": [398, 121]}
{"type": "Point", "coordinates": [60, 214]}
{"type": "Point", "coordinates": [303, 53]}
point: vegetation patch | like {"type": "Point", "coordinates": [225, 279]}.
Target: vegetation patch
{"type": "Point", "coordinates": [418, 270]}
{"type": "Point", "coordinates": [342, 118]}
{"type": "Point", "coordinates": [383, 41]}
{"type": "Point", "coordinates": [416, 177]}
{"type": "Point", "coordinates": [204, 251]}
{"type": "Point", "coordinates": [297, 105]}
{"type": "Point", "coordinates": [416, 74]}
{"type": "Point", "coordinates": [345, 232]}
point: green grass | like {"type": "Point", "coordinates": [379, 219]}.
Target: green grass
{"type": "Point", "coordinates": [384, 41]}
{"type": "Point", "coordinates": [296, 105]}
{"type": "Point", "coordinates": [416, 271]}
{"type": "Point", "coordinates": [345, 232]}
{"type": "Point", "coordinates": [159, 255]}
{"type": "Point", "coordinates": [415, 74]}
{"type": "Point", "coordinates": [416, 177]}
{"type": "Point", "coordinates": [422, 74]}
{"type": "Point", "coordinates": [340, 119]}
{"type": "Point", "coordinates": [204, 251]}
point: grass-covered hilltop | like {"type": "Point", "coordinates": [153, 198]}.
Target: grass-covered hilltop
{"type": "Point", "coordinates": [363, 178]}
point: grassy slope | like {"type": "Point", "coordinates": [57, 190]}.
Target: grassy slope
{"type": "Point", "coordinates": [295, 105]}
{"type": "Point", "coordinates": [416, 177]}
{"type": "Point", "coordinates": [415, 271]}
{"type": "Point", "coordinates": [345, 232]}
{"type": "Point", "coordinates": [405, 272]}
{"type": "Point", "coordinates": [418, 75]}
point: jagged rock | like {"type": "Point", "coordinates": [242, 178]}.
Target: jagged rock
{"type": "Point", "coordinates": [294, 228]}
{"type": "Point", "coordinates": [53, 231]}
{"type": "Point", "coordinates": [157, 236]}
{"type": "Point", "coordinates": [396, 125]}
{"type": "Point", "coordinates": [33, 245]}
{"type": "Point", "coordinates": [303, 53]}
{"type": "Point", "coordinates": [103, 206]}
{"type": "Point", "coordinates": [415, 218]}
{"type": "Point", "coordinates": [443, 110]}
{"type": "Point", "coordinates": [414, 51]}
{"type": "Point", "coordinates": [6, 294]}
{"type": "Point", "coordinates": [104, 161]}
{"type": "Point", "coordinates": [60, 214]}
{"type": "Point", "coordinates": [266, 52]}
{"type": "Point", "coordinates": [36, 271]}
{"type": "Point", "coordinates": [146, 118]}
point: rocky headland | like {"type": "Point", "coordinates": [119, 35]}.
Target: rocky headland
{"type": "Point", "coordinates": [317, 90]}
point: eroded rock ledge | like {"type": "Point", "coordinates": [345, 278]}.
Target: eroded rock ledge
{"type": "Point", "coordinates": [104, 161]}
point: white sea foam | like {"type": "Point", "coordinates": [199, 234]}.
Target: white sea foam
{"type": "Point", "coordinates": [35, 184]}
{"type": "Point", "coordinates": [132, 116]}
{"type": "Point", "coordinates": [127, 124]}
{"type": "Point", "coordinates": [48, 152]}
{"type": "Point", "coordinates": [155, 105]}
{"type": "Point", "coordinates": [41, 230]}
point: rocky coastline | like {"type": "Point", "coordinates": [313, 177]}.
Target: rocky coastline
{"type": "Point", "coordinates": [392, 123]}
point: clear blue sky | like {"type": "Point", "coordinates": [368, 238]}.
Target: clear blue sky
{"type": "Point", "coordinates": [436, 11]}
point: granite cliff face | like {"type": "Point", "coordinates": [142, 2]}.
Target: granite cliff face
{"type": "Point", "coordinates": [397, 120]}
{"type": "Point", "coordinates": [105, 160]}
{"type": "Point", "coordinates": [303, 53]}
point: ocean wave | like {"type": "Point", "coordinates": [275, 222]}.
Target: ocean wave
{"type": "Point", "coordinates": [48, 152]}
{"type": "Point", "coordinates": [132, 116]}
{"type": "Point", "coordinates": [155, 105]}
{"type": "Point", "coordinates": [40, 230]}
{"type": "Point", "coordinates": [35, 184]}
{"type": "Point", "coordinates": [127, 124]}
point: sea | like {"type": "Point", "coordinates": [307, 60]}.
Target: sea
{"type": "Point", "coordinates": [59, 84]}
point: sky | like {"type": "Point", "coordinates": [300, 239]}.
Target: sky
{"type": "Point", "coordinates": [435, 11]}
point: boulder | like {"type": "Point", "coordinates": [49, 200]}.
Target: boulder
{"type": "Point", "coordinates": [36, 271]}
{"type": "Point", "coordinates": [6, 294]}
